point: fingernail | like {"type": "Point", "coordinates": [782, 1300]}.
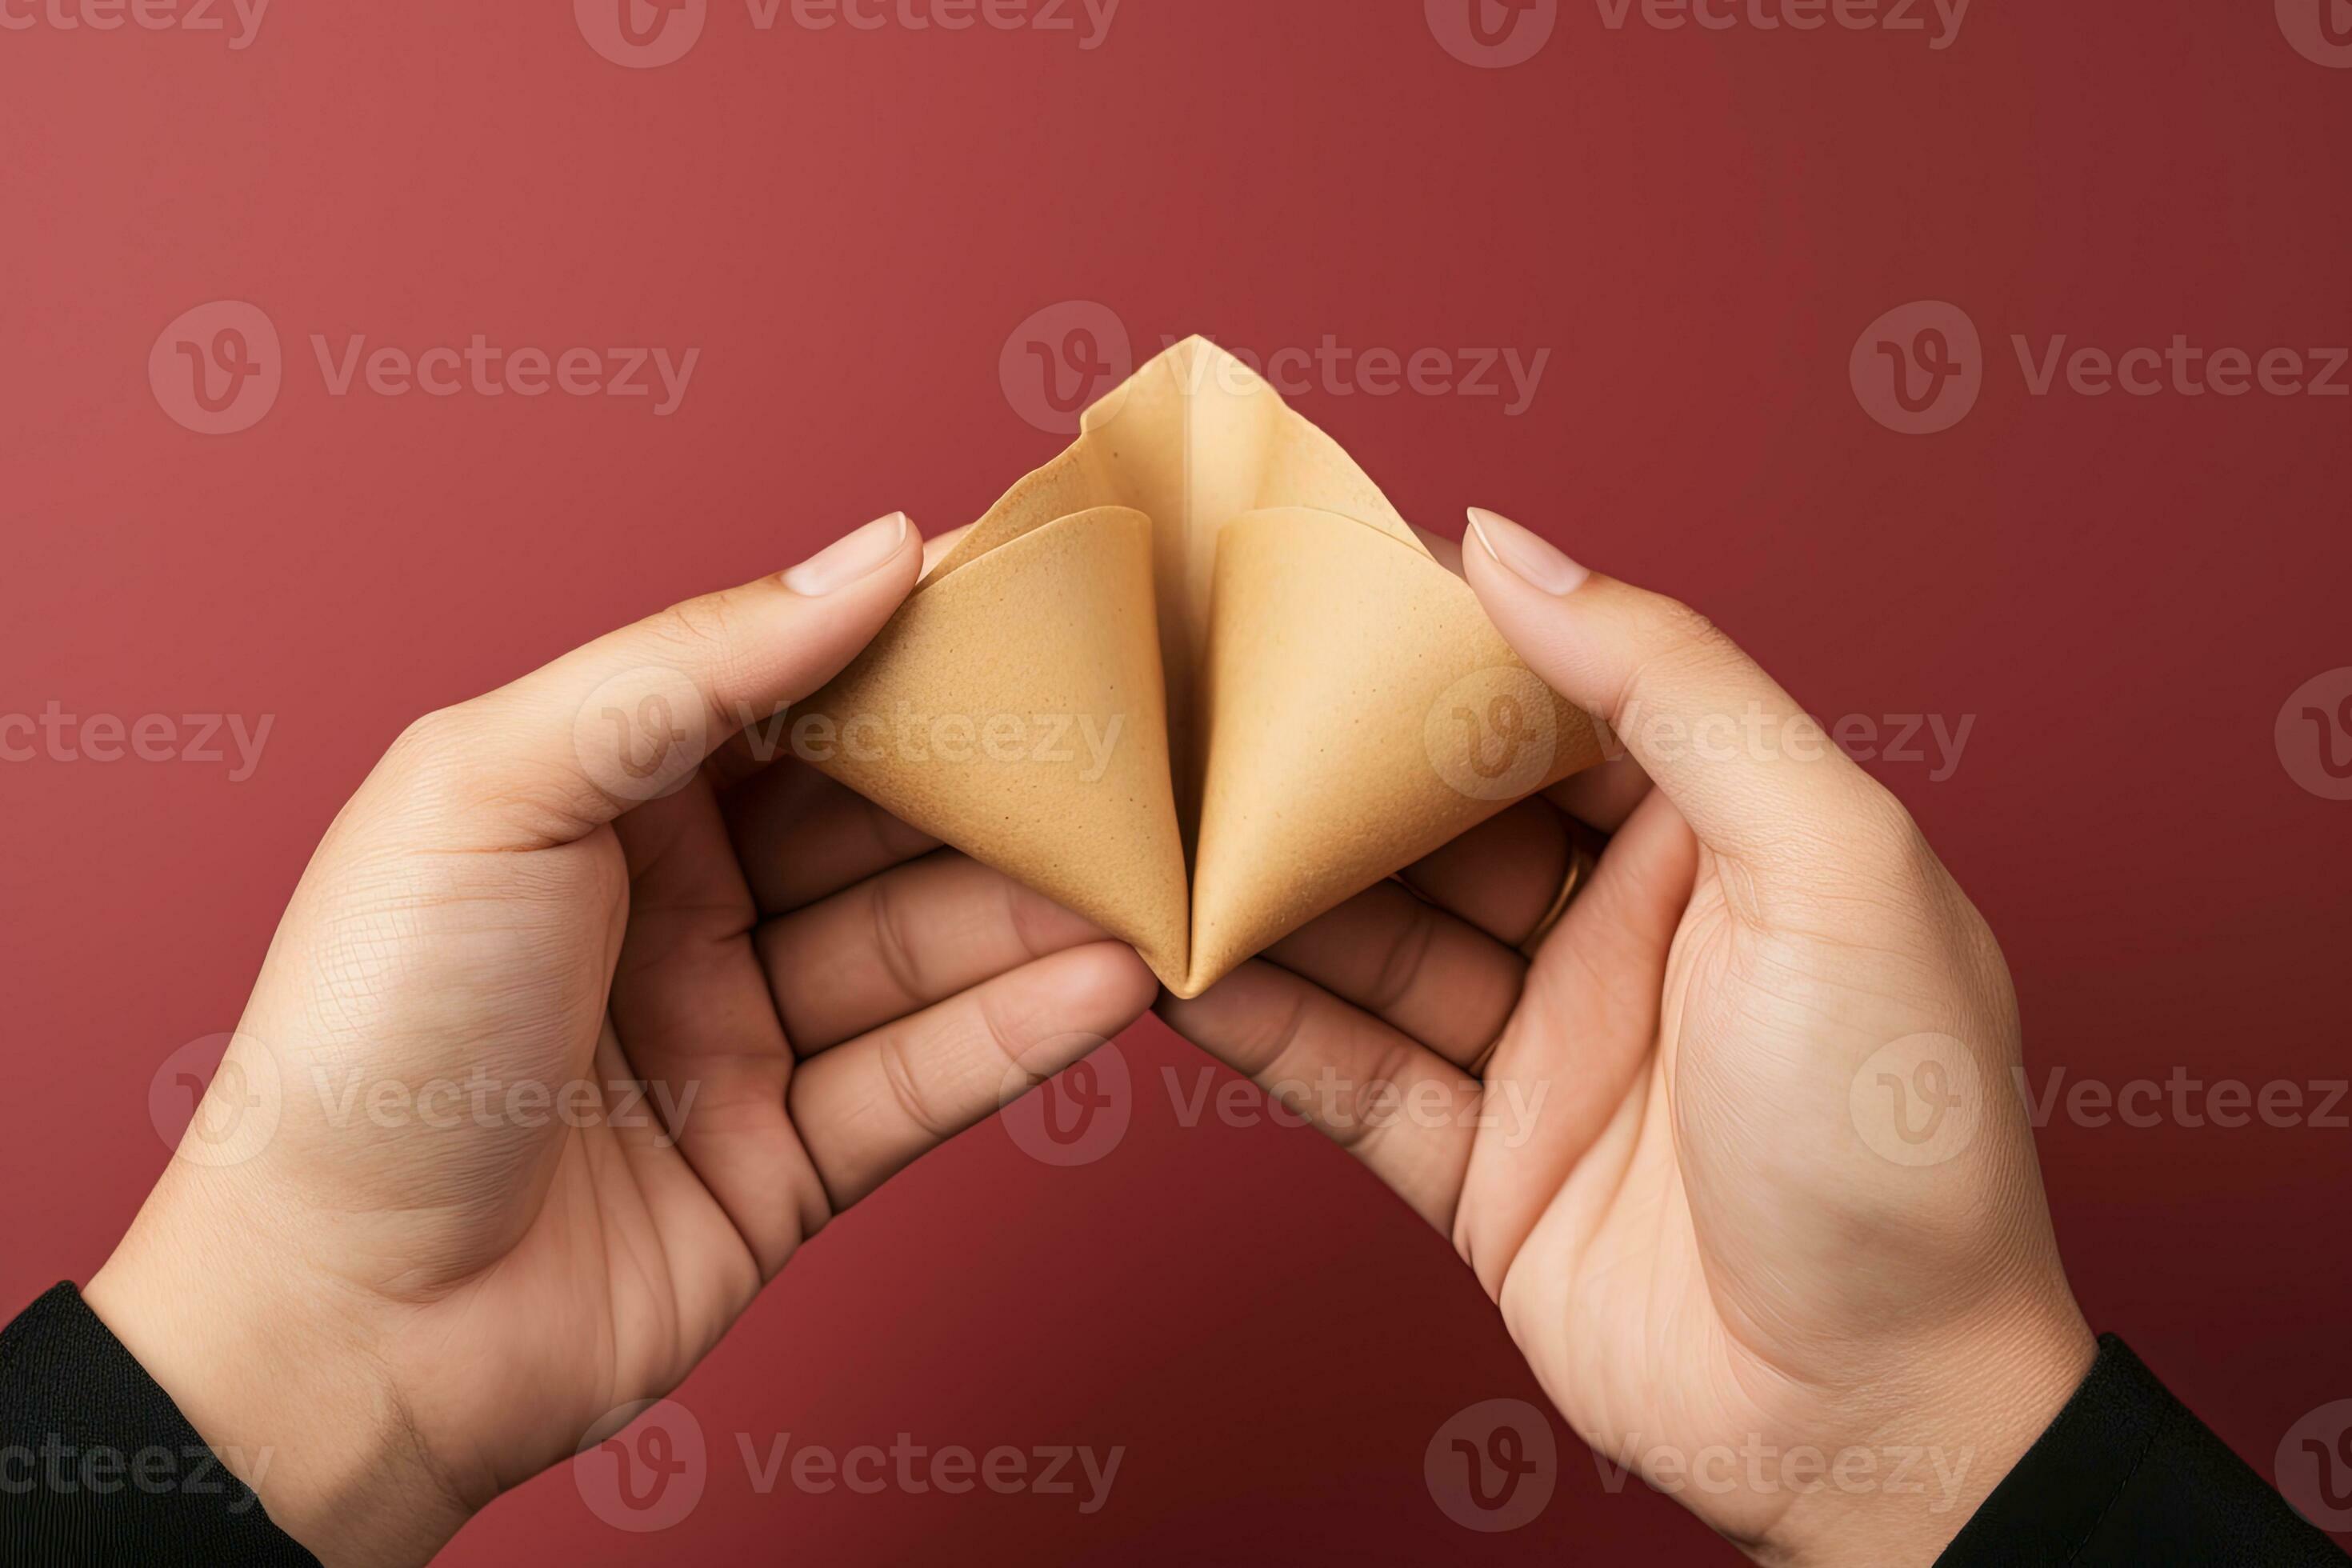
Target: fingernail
{"type": "Point", "coordinates": [848, 558]}
{"type": "Point", "coordinates": [1526, 555]}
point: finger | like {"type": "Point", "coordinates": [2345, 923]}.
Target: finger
{"type": "Point", "coordinates": [896, 944]}
{"type": "Point", "coordinates": [1446, 553]}
{"type": "Point", "coordinates": [866, 1108]}
{"type": "Point", "coordinates": [802, 837]}
{"type": "Point", "coordinates": [1438, 979]}
{"type": "Point", "coordinates": [1503, 875]}
{"type": "Point", "coordinates": [1407, 1113]}
{"type": "Point", "coordinates": [1755, 776]}
{"type": "Point", "coordinates": [631, 716]}
{"type": "Point", "coordinates": [1602, 797]}
{"type": "Point", "coordinates": [1588, 1025]}
{"type": "Point", "coordinates": [765, 742]}
{"type": "Point", "coordinates": [691, 1007]}
{"type": "Point", "coordinates": [938, 550]}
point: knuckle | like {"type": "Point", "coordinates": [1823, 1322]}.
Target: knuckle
{"type": "Point", "coordinates": [1678, 643]}
{"type": "Point", "coordinates": [427, 736]}
{"type": "Point", "coordinates": [893, 948]}
{"type": "Point", "coordinates": [1896, 841]}
{"type": "Point", "coordinates": [701, 637]}
{"type": "Point", "coordinates": [904, 1084]}
{"type": "Point", "coordinates": [1396, 967]}
{"type": "Point", "coordinates": [1677, 633]}
{"type": "Point", "coordinates": [1883, 855]}
{"type": "Point", "coordinates": [696, 638]}
{"type": "Point", "coordinates": [1038, 926]}
{"type": "Point", "coordinates": [1267, 1036]}
{"type": "Point", "coordinates": [693, 626]}
{"type": "Point", "coordinates": [1372, 1112]}
{"type": "Point", "coordinates": [1009, 1033]}
{"type": "Point", "coordinates": [1679, 626]}
{"type": "Point", "coordinates": [431, 755]}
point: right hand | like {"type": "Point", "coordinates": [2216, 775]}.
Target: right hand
{"type": "Point", "coordinates": [1753, 1179]}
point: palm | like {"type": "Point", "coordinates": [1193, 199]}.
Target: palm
{"type": "Point", "coordinates": [1712, 1241]}
{"type": "Point", "coordinates": [624, 1276]}
{"type": "Point", "coordinates": [706, 1052]}
{"type": "Point", "coordinates": [1611, 1295]}
{"type": "Point", "coordinates": [1635, 1190]}
{"type": "Point", "coordinates": [612, 1016]}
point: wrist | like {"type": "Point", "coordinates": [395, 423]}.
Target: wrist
{"type": "Point", "coordinates": [1960, 1415]}
{"type": "Point", "coordinates": [279, 1371]}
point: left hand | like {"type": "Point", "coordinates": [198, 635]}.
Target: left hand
{"type": "Point", "coordinates": [573, 1032]}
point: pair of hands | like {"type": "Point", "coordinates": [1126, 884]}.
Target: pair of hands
{"type": "Point", "coordinates": [1697, 1241]}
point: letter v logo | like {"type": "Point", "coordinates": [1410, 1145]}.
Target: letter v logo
{"type": "Point", "coordinates": [2314, 733]}
{"type": "Point", "coordinates": [2320, 30]}
{"type": "Point", "coordinates": [641, 34]}
{"type": "Point", "coordinates": [1493, 1467]}
{"type": "Point", "coordinates": [1919, 368]}
{"type": "Point", "coordinates": [217, 369]}
{"type": "Point", "coordinates": [643, 1468]}
{"type": "Point", "coordinates": [1492, 35]}
{"type": "Point", "coordinates": [2314, 1466]}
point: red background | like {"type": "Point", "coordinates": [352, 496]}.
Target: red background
{"type": "Point", "coordinates": [849, 224]}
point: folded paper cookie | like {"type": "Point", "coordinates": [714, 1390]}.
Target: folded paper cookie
{"type": "Point", "coordinates": [1194, 679]}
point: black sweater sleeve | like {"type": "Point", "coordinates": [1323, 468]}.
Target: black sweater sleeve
{"type": "Point", "coordinates": [2126, 1476]}
{"type": "Point", "coordinates": [98, 1466]}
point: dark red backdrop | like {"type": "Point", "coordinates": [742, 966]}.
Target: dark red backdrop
{"type": "Point", "coordinates": [849, 224]}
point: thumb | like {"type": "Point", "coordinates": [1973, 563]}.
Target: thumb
{"type": "Point", "coordinates": [1752, 772]}
{"type": "Point", "coordinates": [631, 716]}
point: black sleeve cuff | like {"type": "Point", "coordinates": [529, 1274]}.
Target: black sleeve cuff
{"type": "Point", "coordinates": [98, 1466]}
{"type": "Point", "coordinates": [2126, 1476]}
